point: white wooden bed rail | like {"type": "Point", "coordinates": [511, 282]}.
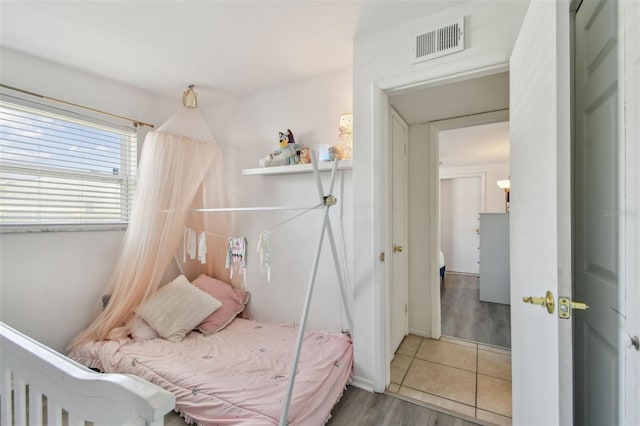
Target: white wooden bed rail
{"type": "Point", "coordinates": [72, 393]}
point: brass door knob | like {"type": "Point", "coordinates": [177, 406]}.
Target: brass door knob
{"type": "Point", "coordinates": [397, 249]}
{"type": "Point", "coordinates": [546, 301]}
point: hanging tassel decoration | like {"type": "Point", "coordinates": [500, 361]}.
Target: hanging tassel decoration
{"type": "Point", "coordinates": [264, 252]}
{"type": "Point", "coordinates": [202, 248]}
{"type": "Point", "coordinates": [237, 256]}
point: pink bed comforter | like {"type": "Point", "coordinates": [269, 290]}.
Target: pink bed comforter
{"type": "Point", "coordinates": [238, 375]}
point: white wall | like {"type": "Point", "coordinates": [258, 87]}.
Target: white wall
{"type": "Point", "coordinates": [247, 129]}
{"type": "Point", "coordinates": [381, 61]}
{"type": "Point", "coordinates": [494, 196]}
{"type": "Point", "coordinates": [50, 281]}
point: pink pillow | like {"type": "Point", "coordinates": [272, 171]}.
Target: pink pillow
{"type": "Point", "coordinates": [233, 302]}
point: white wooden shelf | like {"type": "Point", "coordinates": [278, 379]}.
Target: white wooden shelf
{"type": "Point", "coordinates": [323, 166]}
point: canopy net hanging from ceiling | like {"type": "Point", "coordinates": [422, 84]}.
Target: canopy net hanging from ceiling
{"type": "Point", "coordinates": [180, 169]}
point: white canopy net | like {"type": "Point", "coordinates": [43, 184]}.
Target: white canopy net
{"type": "Point", "coordinates": [180, 169]}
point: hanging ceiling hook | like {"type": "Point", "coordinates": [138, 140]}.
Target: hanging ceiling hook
{"type": "Point", "coordinates": [190, 97]}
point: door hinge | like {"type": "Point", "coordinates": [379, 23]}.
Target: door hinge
{"type": "Point", "coordinates": [406, 308]}
{"type": "Point", "coordinates": [382, 257]}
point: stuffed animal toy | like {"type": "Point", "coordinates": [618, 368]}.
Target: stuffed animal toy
{"type": "Point", "coordinates": [340, 152]}
{"type": "Point", "coordinates": [288, 154]}
{"type": "Point", "coordinates": [266, 161]}
{"type": "Point", "coordinates": [305, 155]}
{"type": "Point", "coordinates": [288, 151]}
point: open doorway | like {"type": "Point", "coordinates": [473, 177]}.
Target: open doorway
{"type": "Point", "coordinates": [468, 378]}
{"type": "Point", "coordinates": [474, 224]}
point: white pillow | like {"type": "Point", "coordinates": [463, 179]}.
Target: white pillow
{"type": "Point", "coordinates": [177, 308]}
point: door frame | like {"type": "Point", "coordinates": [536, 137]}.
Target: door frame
{"type": "Point", "coordinates": [629, 18]}
{"type": "Point", "coordinates": [482, 176]}
{"type": "Point", "coordinates": [629, 205]}
{"type": "Point", "coordinates": [381, 145]}
{"type": "Point", "coordinates": [434, 142]}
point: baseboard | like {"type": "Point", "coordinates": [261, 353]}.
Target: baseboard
{"type": "Point", "coordinates": [421, 333]}
{"type": "Point", "coordinates": [466, 274]}
{"type": "Point", "coordinates": [362, 383]}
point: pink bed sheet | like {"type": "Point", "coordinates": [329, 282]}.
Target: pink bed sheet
{"type": "Point", "coordinates": [238, 375]}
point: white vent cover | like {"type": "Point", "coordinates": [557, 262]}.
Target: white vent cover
{"type": "Point", "coordinates": [436, 42]}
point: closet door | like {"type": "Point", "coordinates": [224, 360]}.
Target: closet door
{"type": "Point", "coordinates": [398, 259]}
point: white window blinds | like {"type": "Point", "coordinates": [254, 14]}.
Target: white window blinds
{"type": "Point", "coordinates": [60, 170]}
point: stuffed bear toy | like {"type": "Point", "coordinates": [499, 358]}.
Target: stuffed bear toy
{"type": "Point", "coordinates": [305, 155]}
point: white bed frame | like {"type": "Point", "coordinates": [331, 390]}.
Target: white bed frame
{"type": "Point", "coordinates": [74, 394]}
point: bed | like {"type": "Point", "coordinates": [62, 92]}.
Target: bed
{"type": "Point", "coordinates": [238, 375]}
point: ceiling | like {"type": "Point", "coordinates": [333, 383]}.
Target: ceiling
{"type": "Point", "coordinates": [231, 47]}
{"type": "Point", "coordinates": [236, 47]}
{"type": "Point", "coordinates": [467, 97]}
{"type": "Point", "coordinates": [484, 144]}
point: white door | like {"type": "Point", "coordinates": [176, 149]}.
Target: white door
{"type": "Point", "coordinates": [459, 221]}
{"type": "Point", "coordinates": [399, 274]}
{"type": "Point", "coordinates": [596, 215]}
{"type": "Point", "coordinates": [540, 215]}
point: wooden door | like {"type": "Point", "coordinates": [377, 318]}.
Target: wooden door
{"type": "Point", "coordinates": [459, 222]}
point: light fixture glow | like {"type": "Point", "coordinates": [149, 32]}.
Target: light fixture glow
{"type": "Point", "coordinates": [504, 184]}
{"type": "Point", "coordinates": [344, 150]}
{"type": "Point", "coordinates": [190, 97]}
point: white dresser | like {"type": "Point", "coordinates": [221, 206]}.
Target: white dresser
{"type": "Point", "coordinates": [494, 257]}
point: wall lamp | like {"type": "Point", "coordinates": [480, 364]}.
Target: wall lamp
{"type": "Point", "coordinates": [505, 184]}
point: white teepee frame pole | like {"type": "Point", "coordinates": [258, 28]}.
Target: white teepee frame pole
{"type": "Point", "coordinates": [327, 201]}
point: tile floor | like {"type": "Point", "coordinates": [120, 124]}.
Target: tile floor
{"type": "Point", "coordinates": [465, 377]}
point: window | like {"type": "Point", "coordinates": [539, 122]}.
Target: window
{"type": "Point", "coordinates": [57, 171]}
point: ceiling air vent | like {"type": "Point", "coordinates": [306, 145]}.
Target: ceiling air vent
{"type": "Point", "coordinates": [438, 42]}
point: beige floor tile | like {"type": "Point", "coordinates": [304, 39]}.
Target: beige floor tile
{"type": "Point", "coordinates": [494, 418]}
{"type": "Point", "coordinates": [448, 354]}
{"type": "Point", "coordinates": [399, 367]}
{"type": "Point", "coordinates": [504, 351]}
{"type": "Point", "coordinates": [456, 341]}
{"type": "Point", "coordinates": [438, 401]}
{"type": "Point", "coordinates": [494, 395]}
{"type": "Point", "coordinates": [393, 387]}
{"type": "Point", "coordinates": [409, 345]}
{"type": "Point", "coordinates": [494, 364]}
{"type": "Point", "coordinates": [441, 380]}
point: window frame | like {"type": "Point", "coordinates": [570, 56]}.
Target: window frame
{"type": "Point", "coordinates": [126, 181]}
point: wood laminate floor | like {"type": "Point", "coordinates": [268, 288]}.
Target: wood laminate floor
{"type": "Point", "coordinates": [361, 408]}
{"type": "Point", "coordinates": [464, 316]}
